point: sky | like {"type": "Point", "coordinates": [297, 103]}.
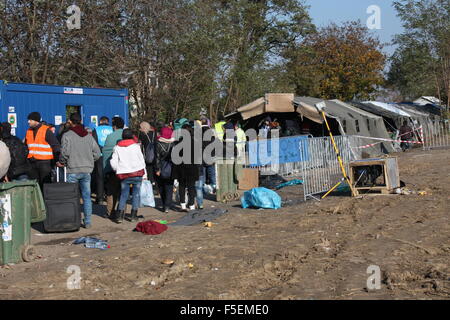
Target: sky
{"type": "Point", "coordinates": [325, 11]}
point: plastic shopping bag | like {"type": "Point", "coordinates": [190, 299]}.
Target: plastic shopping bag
{"type": "Point", "coordinates": [261, 198]}
{"type": "Point", "coordinates": [147, 197]}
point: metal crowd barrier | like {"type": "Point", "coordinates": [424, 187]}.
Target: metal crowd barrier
{"type": "Point", "coordinates": [320, 169]}
{"type": "Point", "coordinates": [436, 134]}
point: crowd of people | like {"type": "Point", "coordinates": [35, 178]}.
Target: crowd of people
{"type": "Point", "coordinates": [112, 161]}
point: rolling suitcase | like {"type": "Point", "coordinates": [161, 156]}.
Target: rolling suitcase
{"type": "Point", "coordinates": [62, 201]}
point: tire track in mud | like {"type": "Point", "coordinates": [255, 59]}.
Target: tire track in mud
{"type": "Point", "coordinates": [378, 244]}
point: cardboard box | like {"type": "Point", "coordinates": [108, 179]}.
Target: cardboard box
{"type": "Point", "coordinates": [249, 180]}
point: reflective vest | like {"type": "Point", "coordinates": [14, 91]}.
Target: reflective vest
{"type": "Point", "coordinates": [219, 130]}
{"type": "Point", "coordinates": [103, 131]}
{"type": "Point", "coordinates": [38, 147]}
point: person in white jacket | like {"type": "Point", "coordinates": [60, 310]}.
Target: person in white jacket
{"type": "Point", "coordinates": [129, 164]}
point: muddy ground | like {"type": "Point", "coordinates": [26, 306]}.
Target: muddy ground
{"type": "Point", "coordinates": [312, 250]}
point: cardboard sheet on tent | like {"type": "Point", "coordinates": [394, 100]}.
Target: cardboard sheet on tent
{"type": "Point", "coordinates": [280, 102]}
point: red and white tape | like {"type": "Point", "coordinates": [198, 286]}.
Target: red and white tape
{"type": "Point", "coordinates": [391, 140]}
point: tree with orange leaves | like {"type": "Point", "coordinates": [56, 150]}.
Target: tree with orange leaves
{"type": "Point", "coordinates": [337, 62]}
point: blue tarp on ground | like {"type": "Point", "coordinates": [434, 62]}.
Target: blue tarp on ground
{"type": "Point", "coordinates": [291, 149]}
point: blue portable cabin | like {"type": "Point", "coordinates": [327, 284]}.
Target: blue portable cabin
{"type": "Point", "coordinates": [55, 103]}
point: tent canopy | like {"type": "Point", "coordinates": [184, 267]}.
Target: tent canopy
{"type": "Point", "coordinates": [368, 125]}
{"type": "Point", "coordinates": [272, 102]}
{"type": "Point", "coordinates": [384, 109]}
{"type": "Point", "coordinates": [349, 119]}
{"type": "Point", "coordinates": [306, 106]}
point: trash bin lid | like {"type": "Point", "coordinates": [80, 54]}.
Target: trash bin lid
{"type": "Point", "coordinates": [36, 201]}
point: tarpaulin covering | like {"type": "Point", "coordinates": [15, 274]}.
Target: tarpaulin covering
{"type": "Point", "coordinates": [290, 149]}
{"type": "Point", "coordinates": [385, 109]}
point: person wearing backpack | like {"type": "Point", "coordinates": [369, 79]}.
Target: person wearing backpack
{"type": "Point", "coordinates": [5, 160]}
{"type": "Point", "coordinates": [19, 168]}
{"type": "Point", "coordinates": [163, 167]}
{"type": "Point", "coordinates": [147, 137]}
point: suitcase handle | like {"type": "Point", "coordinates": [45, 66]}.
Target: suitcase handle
{"type": "Point", "coordinates": [57, 174]}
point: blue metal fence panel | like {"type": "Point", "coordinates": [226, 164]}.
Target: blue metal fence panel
{"type": "Point", "coordinates": [51, 102]}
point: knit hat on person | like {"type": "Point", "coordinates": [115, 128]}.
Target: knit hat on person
{"type": "Point", "coordinates": [166, 133]}
{"type": "Point", "coordinates": [36, 116]}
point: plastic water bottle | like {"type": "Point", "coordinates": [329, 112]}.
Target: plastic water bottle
{"type": "Point", "coordinates": [95, 244]}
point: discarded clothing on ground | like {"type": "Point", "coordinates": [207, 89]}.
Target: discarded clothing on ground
{"type": "Point", "coordinates": [84, 239]}
{"type": "Point", "coordinates": [198, 217]}
{"type": "Point", "coordinates": [93, 243]}
{"type": "Point", "coordinates": [289, 183]}
{"type": "Point", "coordinates": [151, 227]}
{"type": "Point", "coordinates": [261, 198]}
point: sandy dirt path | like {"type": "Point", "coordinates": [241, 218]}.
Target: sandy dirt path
{"type": "Point", "coordinates": [312, 250]}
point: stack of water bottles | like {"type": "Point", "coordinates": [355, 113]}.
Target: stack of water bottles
{"type": "Point", "coordinates": [93, 243]}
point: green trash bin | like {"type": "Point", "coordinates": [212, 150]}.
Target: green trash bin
{"type": "Point", "coordinates": [21, 204]}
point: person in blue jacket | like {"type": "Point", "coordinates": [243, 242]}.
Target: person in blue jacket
{"type": "Point", "coordinates": [100, 134]}
{"type": "Point", "coordinates": [113, 188]}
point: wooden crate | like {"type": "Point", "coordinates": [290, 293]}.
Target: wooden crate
{"type": "Point", "coordinates": [390, 174]}
{"type": "Point", "coordinates": [249, 180]}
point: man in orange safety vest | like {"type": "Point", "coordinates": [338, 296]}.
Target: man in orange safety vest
{"type": "Point", "coordinates": [43, 148]}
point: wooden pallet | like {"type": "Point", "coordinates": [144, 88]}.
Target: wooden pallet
{"type": "Point", "coordinates": [365, 190]}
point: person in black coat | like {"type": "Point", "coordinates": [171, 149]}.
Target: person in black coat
{"type": "Point", "coordinates": [20, 167]}
{"type": "Point", "coordinates": [147, 135]}
{"type": "Point", "coordinates": [187, 173]}
{"type": "Point", "coordinates": [164, 167]}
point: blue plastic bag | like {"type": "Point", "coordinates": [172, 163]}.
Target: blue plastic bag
{"type": "Point", "coordinates": [147, 197]}
{"type": "Point", "coordinates": [261, 198]}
